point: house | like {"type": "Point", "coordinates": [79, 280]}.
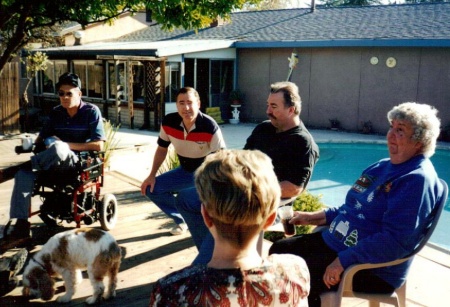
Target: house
{"type": "Point", "coordinates": [355, 63]}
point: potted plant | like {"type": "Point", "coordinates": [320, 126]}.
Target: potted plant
{"type": "Point", "coordinates": [335, 124]}
{"type": "Point", "coordinates": [236, 97]}
{"type": "Point", "coordinates": [367, 127]}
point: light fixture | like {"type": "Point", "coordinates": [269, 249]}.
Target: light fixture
{"type": "Point", "coordinates": [78, 34]}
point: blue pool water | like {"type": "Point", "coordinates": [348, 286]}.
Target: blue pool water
{"type": "Point", "coordinates": [341, 164]}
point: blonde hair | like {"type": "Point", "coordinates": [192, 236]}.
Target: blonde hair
{"type": "Point", "coordinates": [239, 190]}
{"type": "Point", "coordinates": [424, 121]}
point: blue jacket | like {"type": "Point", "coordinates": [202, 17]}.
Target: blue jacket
{"type": "Point", "coordinates": [384, 215]}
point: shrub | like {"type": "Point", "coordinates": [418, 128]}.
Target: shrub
{"type": "Point", "coordinates": [111, 142]}
{"type": "Point", "coordinates": [170, 162]}
{"type": "Point", "coordinates": [305, 202]}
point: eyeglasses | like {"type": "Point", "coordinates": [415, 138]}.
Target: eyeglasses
{"type": "Point", "coordinates": [64, 94]}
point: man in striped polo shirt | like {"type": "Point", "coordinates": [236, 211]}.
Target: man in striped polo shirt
{"type": "Point", "coordinates": [194, 135]}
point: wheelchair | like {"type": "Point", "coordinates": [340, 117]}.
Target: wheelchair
{"type": "Point", "coordinates": [75, 195]}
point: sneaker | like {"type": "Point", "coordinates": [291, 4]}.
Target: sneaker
{"type": "Point", "coordinates": [180, 229]}
{"type": "Point", "coordinates": [13, 260]}
{"type": "Point", "coordinates": [11, 263]}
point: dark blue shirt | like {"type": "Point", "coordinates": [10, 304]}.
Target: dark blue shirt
{"type": "Point", "coordinates": [85, 126]}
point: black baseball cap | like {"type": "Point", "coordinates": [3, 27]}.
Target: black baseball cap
{"type": "Point", "coordinates": [69, 79]}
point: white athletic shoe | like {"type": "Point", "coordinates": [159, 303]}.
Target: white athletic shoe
{"type": "Point", "coordinates": [180, 229]}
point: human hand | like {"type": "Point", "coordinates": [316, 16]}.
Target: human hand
{"type": "Point", "coordinates": [332, 274]}
{"type": "Point", "coordinates": [300, 218]}
{"type": "Point", "coordinates": [149, 181]}
{"type": "Point", "coordinates": [50, 140]}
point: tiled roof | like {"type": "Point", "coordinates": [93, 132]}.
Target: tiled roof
{"type": "Point", "coordinates": [425, 24]}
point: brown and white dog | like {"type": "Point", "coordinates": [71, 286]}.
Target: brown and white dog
{"type": "Point", "coordinates": [65, 255]}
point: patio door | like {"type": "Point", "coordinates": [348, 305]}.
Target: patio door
{"type": "Point", "coordinates": [197, 76]}
{"type": "Point", "coordinates": [221, 77]}
{"type": "Point", "coordinates": [213, 79]}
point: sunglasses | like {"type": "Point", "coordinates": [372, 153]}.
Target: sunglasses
{"type": "Point", "coordinates": [64, 94]}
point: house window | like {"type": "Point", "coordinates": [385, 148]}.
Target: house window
{"type": "Point", "coordinates": [49, 77]}
{"type": "Point", "coordinates": [118, 77]}
{"type": "Point", "coordinates": [172, 80]}
{"type": "Point", "coordinates": [91, 75]}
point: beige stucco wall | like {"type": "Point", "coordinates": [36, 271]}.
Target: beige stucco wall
{"type": "Point", "coordinates": [342, 83]}
{"type": "Point", "coordinates": [101, 32]}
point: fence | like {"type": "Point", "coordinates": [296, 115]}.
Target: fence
{"type": "Point", "coordinates": [9, 99]}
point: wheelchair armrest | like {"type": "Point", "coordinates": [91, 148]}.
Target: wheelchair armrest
{"type": "Point", "coordinates": [90, 164]}
{"type": "Point", "coordinates": [90, 153]}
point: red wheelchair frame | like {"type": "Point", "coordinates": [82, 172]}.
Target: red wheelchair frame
{"type": "Point", "coordinates": [74, 195]}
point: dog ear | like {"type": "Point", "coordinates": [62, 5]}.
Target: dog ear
{"type": "Point", "coordinates": [45, 285]}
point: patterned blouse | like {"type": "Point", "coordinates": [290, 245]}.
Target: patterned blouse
{"type": "Point", "coordinates": [281, 280]}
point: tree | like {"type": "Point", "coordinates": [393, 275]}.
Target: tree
{"type": "Point", "coordinates": [267, 5]}
{"type": "Point", "coordinates": [27, 21]}
{"type": "Point", "coordinates": [35, 63]}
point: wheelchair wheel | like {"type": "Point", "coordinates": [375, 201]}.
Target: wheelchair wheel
{"type": "Point", "coordinates": [108, 212]}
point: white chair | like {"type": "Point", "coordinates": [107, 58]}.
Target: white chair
{"type": "Point", "coordinates": [398, 298]}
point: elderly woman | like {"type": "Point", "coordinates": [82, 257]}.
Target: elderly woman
{"type": "Point", "coordinates": [240, 193]}
{"type": "Point", "coordinates": [384, 213]}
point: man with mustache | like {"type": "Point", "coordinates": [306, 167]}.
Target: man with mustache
{"type": "Point", "coordinates": [285, 139]}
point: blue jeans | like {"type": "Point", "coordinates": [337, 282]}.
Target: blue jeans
{"type": "Point", "coordinates": [57, 157]}
{"type": "Point", "coordinates": [189, 205]}
{"type": "Point", "coordinates": [166, 190]}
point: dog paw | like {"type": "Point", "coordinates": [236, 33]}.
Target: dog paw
{"type": "Point", "coordinates": [64, 299]}
{"type": "Point", "coordinates": [92, 300]}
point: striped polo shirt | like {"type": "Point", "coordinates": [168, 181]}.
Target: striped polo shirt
{"type": "Point", "coordinates": [191, 146]}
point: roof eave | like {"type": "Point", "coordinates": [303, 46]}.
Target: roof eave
{"type": "Point", "coordinates": [347, 43]}
{"type": "Point", "coordinates": [92, 54]}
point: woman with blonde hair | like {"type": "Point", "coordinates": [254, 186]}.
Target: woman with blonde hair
{"type": "Point", "coordinates": [240, 194]}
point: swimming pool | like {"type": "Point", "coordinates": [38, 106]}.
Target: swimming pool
{"type": "Point", "coordinates": [341, 164]}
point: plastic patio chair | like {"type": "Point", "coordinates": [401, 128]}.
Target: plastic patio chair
{"type": "Point", "coordinates": [398, 298]}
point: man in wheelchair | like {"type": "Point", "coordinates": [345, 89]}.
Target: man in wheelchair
{"type": "Point", "coordinates": [73, 127]}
